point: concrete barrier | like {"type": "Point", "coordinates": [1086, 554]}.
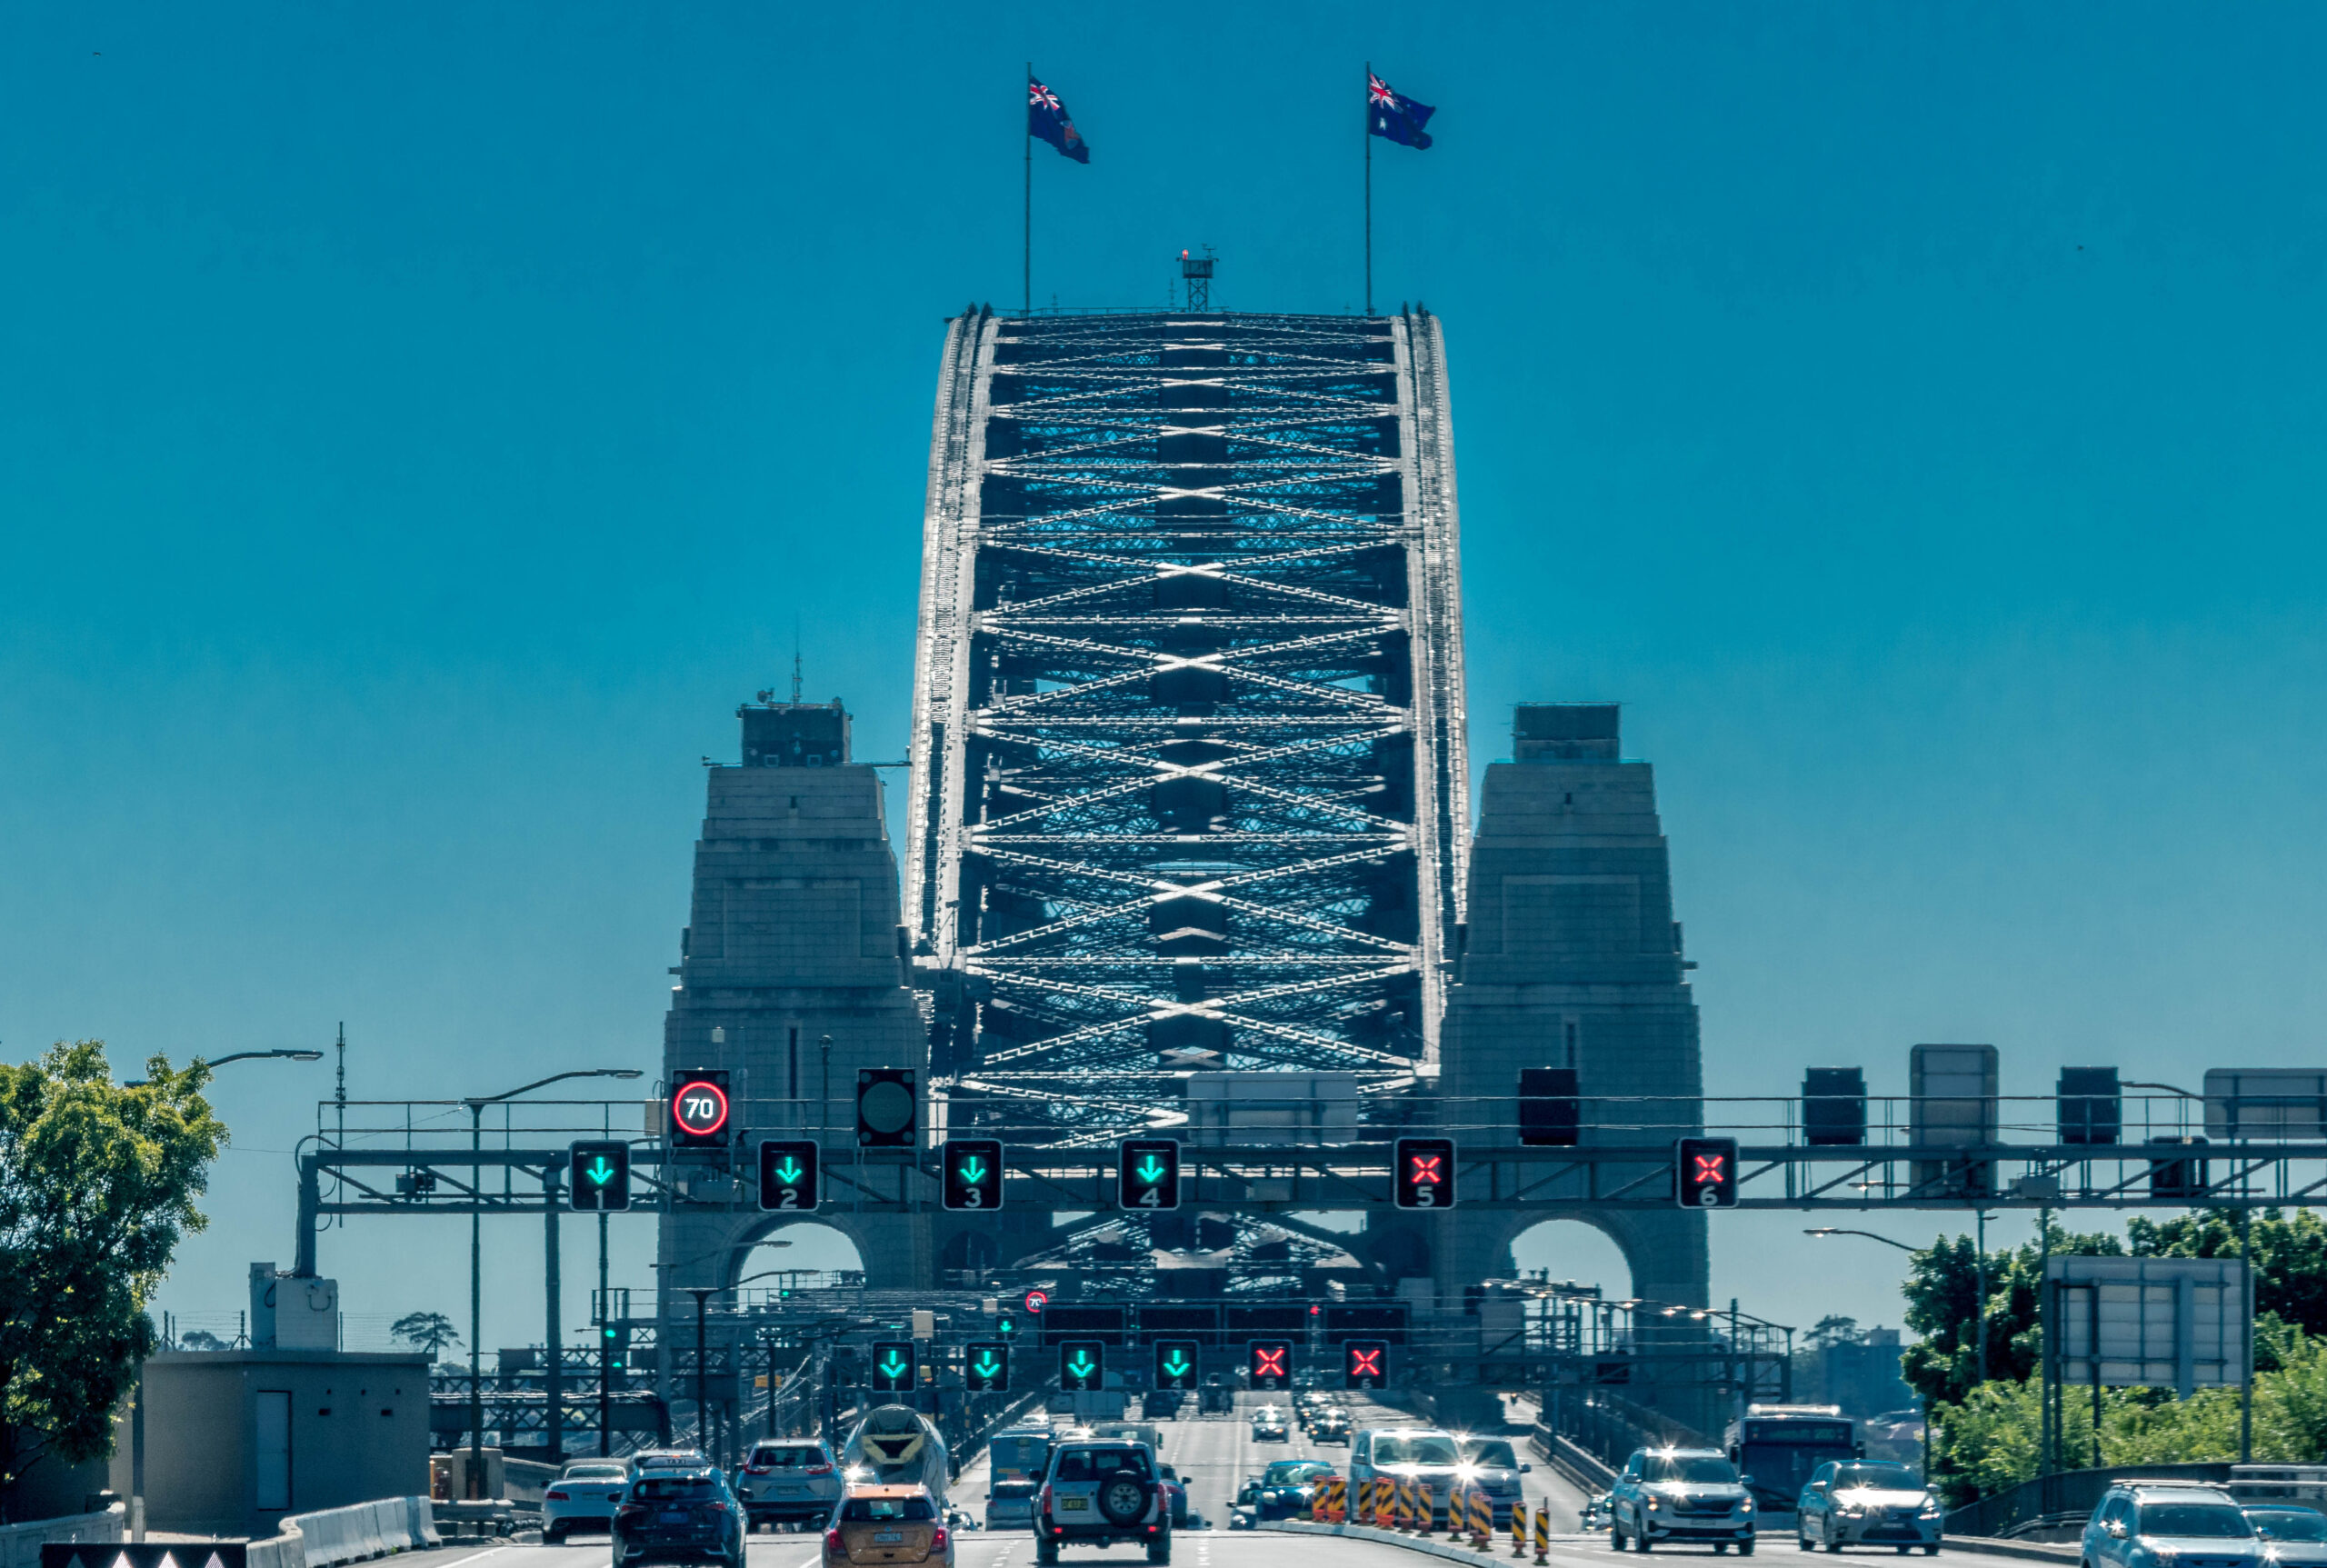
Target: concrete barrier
{"type": "Point", "coordinates": [20, 1544]}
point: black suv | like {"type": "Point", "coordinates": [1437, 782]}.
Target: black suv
{"type": "Point", "coordinates": [1098, 1491]}
{"type": "Point", "coordinates": [679, 1516]}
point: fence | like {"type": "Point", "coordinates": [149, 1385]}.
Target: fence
{"type": "Point", "coordinates": [2051, 1502]}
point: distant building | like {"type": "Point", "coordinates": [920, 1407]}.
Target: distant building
{"type": "Point", "coordinates": [1862, 1375]}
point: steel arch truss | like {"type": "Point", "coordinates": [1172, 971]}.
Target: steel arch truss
{"type": "Point", "coordinates": [1188, 756]}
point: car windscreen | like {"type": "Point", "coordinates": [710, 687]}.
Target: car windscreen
{"type": "Point", "coordinates": [1426, 1448]}
{"type": "Point", "coordinates": [1889, 1477]}
{"type": "Point", "coordinates": [1289, 1470]}
{"type": "Point", "coordinates": [2217, 1521]}
{"type": "Point", "coordinates": [1006, 1489]}
{"type": "Point", "coordinates": [674, 1489]}
{"type": "Point", "coordinates": [1490, 1453]}
{"type": "Point", "coordinates": [1700, 1469]}
{"type": "Point", "coordinates": [1090, 1463]}
{"type": "Point", "coordinates": [790, 1457]}
{"type": "Point", "coordinates": [595, 1472]}
{"type": "Point", "coordinates": [887, 1510]}
{"type": "Point", "coordinates": [2289, 1523]}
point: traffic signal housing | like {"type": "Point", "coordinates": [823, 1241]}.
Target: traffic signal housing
{"type": "Point", "coordinates": [1365, 1363]}
{"type": "Point", "coordinates": [888, 1108]}
{"type": "Point", "coordinates": [893, 1366]}
{"type": "Point", "coordinates": [1268, 1363]}
{"type": "Point", "coordinates": [597, 1177]}
{"type": "Point", "coordinates": [1550, 1114]}
{"type": "Point", "coordinates": [985, 1366]}
{"type": "Point", "coordinates": [1425, 1174]}
{"type": "Point", "coordinates": [1082, 1365]}
{"type": "Point", "coordinates": [1178, 1362]}
{"type": "Point", "coordinates": [613, 1352]}
{"type": "Point", "coordinates": [789, 1179]}
{"type": "Point", "coordinates": [1147, 1174]}
{"type": "Point", "coordinates": [699, 1109]}
{"type": "Point", "coordinates": [1704, 1173]}
{"type": "Point", "coordinates": [972, 1169]}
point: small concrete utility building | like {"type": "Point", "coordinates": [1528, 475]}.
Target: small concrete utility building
{"type": "Point", "coordinates": [236, 1439]}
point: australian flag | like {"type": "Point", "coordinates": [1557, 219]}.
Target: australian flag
{"type": "Point", "coordinates": [1393, 115]}
{"type": "Point", "coordinates": [1047, 118]}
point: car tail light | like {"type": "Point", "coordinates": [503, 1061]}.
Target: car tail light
{"type": "Point", "coordinates": [833, 1542]}
{"type": "Point", "coordinates": [716, 1507]}
{"type": "Point", "coordinates": [937, 1539]}
{"type": "Point", "coordinates": [555, 1497]}
{"type": "Point", "coordinates": [1046, 1497]}
{"type": "Point", "coordinates": [758, 1468]}
{"type": "Point", "coordinates": [819, 1469]}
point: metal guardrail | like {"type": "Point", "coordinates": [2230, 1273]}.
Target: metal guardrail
{"type": "Point", "coordinates": [2065, 1497]}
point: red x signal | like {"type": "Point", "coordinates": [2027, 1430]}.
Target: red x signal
{"type": "Point", "coordinates": [1268, 1363]}
{"type": "Point", "coordinates": [1426, 1172]}
{"type": "Point", "coordinates": [1365, 1363]}
{"type": "Point", "coordinates": [1709, 1170]}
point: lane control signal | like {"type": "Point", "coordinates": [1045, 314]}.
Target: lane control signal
{"type": "Point", "coordinates": [699, 1109]}
{"type": "Point", "coordinates": [1425, 1173]}
{"type": "Point", "coordinates": [893, 1365]}
{"type": "Point", "coordinates": [888, 1111]}
{"type": "Point", "coordinates": [1268, 1363]}
{"type": "Point", "coordinates": [1177, 1363]}
{"type": "Point", "coordinates": [597, 1177]}
{"type": "Point", "coordinates": [1082, 1365]}
{"type": "Point", "coordinates": [1704, 1173]}
{"type": "Point", "coordinates": [985, 1366]}
{"type": "Point", "coordinates": [1147, 1174]}
{"type": "Point", "coordinates": [788, 1177]}
{"type": "Point", "coordinates": [973, 1168]}
{"type": "Point", "coordinates": [1365, 1363]}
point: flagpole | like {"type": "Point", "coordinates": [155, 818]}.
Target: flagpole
{"type": "Point", "coordinates": [1368, 125]}
{"type": "Point", "coordinates": [1027, 243]}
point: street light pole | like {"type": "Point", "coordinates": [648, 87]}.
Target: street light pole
{"type": "Point", "coordinates": [475, 1487]}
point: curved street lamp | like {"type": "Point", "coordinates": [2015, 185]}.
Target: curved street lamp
{"type": "Point", "coordinates": [477, 1104]}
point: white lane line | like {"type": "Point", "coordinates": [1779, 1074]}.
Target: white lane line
{"type": "Point", "coordinates": [472, 1557]}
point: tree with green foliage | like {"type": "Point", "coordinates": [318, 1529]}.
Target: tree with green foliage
{"type": "Point", "coordinates": [2288, 1255]}
{"type": "Point", "coordinates": [426, 1331]}
{"type": "Point", "coordinates": [1944, 1304]}
{"type": "Point", "coordinates": [97, 1182]}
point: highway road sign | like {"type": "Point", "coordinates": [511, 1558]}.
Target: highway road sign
{"type": "Point", "coordinates": [788, 1176]}
{"type": "Point", "coordinates": [1268, 1363]}
{"type": "Point", "coordinates": [1082, 1365]}
{"type": "Point", "coordinates": [1178, 1362]}
{"type": "Point", "coordinates": [1147, 1174]}
{"type": "Point", "coordinates": [985, 1367]}
{"type": "Point", "coordinates": [699, 1109]}
{"type": "Point", "coordinates": [893, 1362]}
{"type": "Point", "coordinates": [1704, 1173]}
{"type": "Point", "coordinates": [1036, 1300]}
{"type": "Point", "coordinates": [1425, 1173]}
{"type": "Point", "coordinates": [597, 1177]}
{"type": "Point", "coordinates": [973, 1173]}
{"type": "Point", "coordinates": [1365, 1363]}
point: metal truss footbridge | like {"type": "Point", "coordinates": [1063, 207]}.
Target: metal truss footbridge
{"type": "Point", "coordinates": [1188, 762]}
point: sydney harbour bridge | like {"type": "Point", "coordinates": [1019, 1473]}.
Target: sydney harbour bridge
{"type": "Point", "coordinates": [1189, 779]}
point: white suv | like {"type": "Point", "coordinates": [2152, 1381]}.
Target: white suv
{"type": "Point", "coordinates": [788, 1480]}
{"type": "Point", "coordinates": [1099, 1492]}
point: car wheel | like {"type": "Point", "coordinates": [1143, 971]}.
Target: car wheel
{"type": "Point", "coordinates": [553, 1535]}
{"type": "Point", "coordinates": [1721, 1548]}
{"type": "Point", "coordinates": [1644, 1541]}
{"type": "Point", "coordinates": [1745, 1549]}
{"type": "Point", "coordinates": [1616, 1536]}
{"type": "Point", "coordinates": [1931, 1550]}
{"type": "Point", "coordinates": [1159, 1551]}
{"type": "Point", "coordinates": [1834, 1545]}
{"type": "Point", "coordinates": [1801, 1539]}
{"type": "Point", "coordinates": [1045, 1552]}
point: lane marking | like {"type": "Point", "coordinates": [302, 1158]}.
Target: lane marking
{"type": "Point", "coordinates": [472, 1557]}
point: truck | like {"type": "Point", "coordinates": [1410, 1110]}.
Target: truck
{"type": "Point", "coordinates": [1776, 1446]}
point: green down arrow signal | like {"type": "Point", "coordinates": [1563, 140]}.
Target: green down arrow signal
{"type": "Point", "coordinates": [1080, 1366]}
{"type": "Point", "coordinates": [972, 1169]}
{"type": "Point", "coordinates": [601, 1173]}
{"type": "Point", "coordinates": [1151, 1170]}
{"type": "Point", "coordinates": [893, 1365]}
{"type": "Point", "coordinates": [987, 1365]}
{"type": "Point", "coordinates": [788, 1172]}
{"type": "Point", "coordinates": [1175, 1365]}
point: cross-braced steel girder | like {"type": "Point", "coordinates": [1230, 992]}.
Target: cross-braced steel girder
{"type": "Point", "coordinates": [1188, 773]}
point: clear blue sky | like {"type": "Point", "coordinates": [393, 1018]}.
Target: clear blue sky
{"type": "Point", "coordinates": [420, 426]}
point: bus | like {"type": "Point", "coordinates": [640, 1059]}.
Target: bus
{"type": "Point", "coordinates": [1776, 1446]}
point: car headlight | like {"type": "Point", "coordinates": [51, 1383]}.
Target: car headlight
{"type": "Point", "coordinates": [1746, 1506]}
{"type": "Point", "coordinates": [1654, 1504]}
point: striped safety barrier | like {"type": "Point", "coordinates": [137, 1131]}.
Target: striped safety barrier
{"type": "Point", "coordinates": [1481, 1519]}
{"type": "Point", "coordinates": [1542, 1535]}
{"type": "Point", "coordinates": [1426, 1508]}
{"type": "Point", "coordinates": [1518, 1530]}
{"type": "Point", "coordinates": [1385, 1506]}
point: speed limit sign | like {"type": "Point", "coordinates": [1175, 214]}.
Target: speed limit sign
{"type": "Point", "coordinates": [699, 1109]}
